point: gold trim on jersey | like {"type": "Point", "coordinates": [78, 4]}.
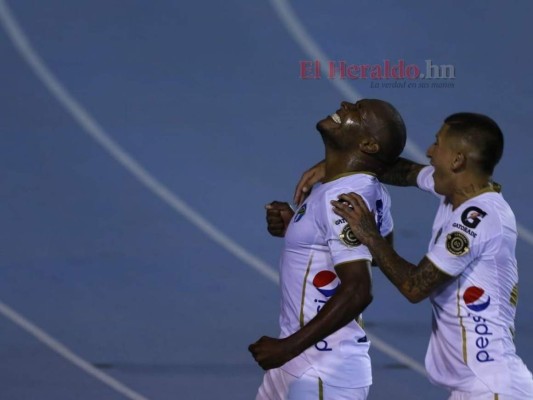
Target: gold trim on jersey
{"type": "Point", "coordinates": [302, 322]}
{"type": "Point", "coordinates": [514, 296]}
{"type": "Point", "coordinates": [492, 187]}
{"type": "Point", "coordinates": [349, 262]}
{"type": "Point", "coordinates": [333, 178]}
{"type": "Point", "coordinates": [463, 329]}
{"type": "Point", "coordinates": [320, 389]}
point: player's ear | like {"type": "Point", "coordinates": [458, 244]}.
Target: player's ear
{"type": "Point", "coordinates": [369, 146]}
{"type": "Point", "coordinates": [459, 162]}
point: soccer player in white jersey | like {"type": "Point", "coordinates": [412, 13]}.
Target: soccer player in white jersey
{"type": "Point", "coordinates": [470, 270]}
{"type": "Point", "coordinates": [322, 351]}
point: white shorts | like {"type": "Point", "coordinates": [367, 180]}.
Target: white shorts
{"type": "Point", "coordinates": [522, 390]}
{"type": "Point", "coordinates": [280, 385]}
{"type": "Point", "coordinates": [456, 395]}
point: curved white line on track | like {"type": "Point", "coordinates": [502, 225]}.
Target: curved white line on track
{"type": "Point", "coordinates": [96, 132]}
{"type": "Point", "coordinates": [93, 129]}
{"type": "Point", "coordinates": [49, 341]}
{"type": "Point", "coordinates": [314, 52]}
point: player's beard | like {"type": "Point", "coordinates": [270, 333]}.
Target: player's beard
{"type": "Point", "coordinates": [335, 140]}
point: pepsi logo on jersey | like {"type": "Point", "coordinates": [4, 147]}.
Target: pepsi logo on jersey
{"type": "Point", "coordinates": [476, 299]}
{"type": "Point", "coordinates": [326, 282]}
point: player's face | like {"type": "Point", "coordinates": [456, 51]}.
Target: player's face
{"type": "Point", "coordinates": [442, 154]}
{"type": "Point", "coordinates": [348, 115]}
{"type": "Point", "coordinates": [344, 125]}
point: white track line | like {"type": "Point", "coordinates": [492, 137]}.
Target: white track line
{"type": "Point", "coordinates": [314, 52]}
{"type": "Point", "coordinates": [49, 341]}
{"type": "Point", "coordinates": [96, 132]}
{"type": "Point", "coordinates": [93, 129]}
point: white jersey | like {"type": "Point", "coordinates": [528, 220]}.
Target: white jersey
{"type": "Point", "coordinates": [316, 240]}
{"type": "Point", "coordinates": [473, 314]}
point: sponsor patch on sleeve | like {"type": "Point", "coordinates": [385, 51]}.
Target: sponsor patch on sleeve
{"type": "Point", "coordinates": [348, 238]}
{"type": "Point", "coordinates": [457, 243]}
{"type": "Point", "coordinates": [472, 216]}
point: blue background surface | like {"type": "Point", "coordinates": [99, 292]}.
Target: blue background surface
{"type": "Point", "coordinates": [206, 96]}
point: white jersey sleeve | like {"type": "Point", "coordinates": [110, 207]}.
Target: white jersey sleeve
{"type": "Point", "coordinates": [425, 181]}
{"type": "Point", "coordinates": [343, 245]}
{"type": "Point", "coordinates": [470, 235]}
{"type": "Point", "coordinates": [335, 231]}
{"type": "Point", "coordinates": [453, 253]}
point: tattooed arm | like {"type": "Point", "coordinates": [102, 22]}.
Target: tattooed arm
{"type": "Point", "coordinates": [415, 282]}
{"type": "Point", "coordinates": [402, 173]}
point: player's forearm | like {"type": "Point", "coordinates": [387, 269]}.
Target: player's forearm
{"type": "Point", "coordinates": [402, 173]}
{"type": "Point", "coordinates": [399, 271]}
{"type": "Point", "coordinates": [342, 308]}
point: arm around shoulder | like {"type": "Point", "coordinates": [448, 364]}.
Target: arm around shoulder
{"type": "Point", "coordinates": [403, 172]}
{"type": "Point", "coordinates": [415, 282]}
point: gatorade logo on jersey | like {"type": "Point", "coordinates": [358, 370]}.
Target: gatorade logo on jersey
{"type": "Point", "coordinates": [476, 299]}
{"type": "Point", "coordinates": [326, 282]}
{"type": "Point", "coordinates": [471, 217]}
{"type": "Point", "coordinates": [300, 213]}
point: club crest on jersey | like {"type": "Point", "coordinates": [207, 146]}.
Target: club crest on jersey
{"type": "Point", "coordinates": [326, 282]}
{"type": "Point", "coordinates": [300, 213]}
{"type": "Point", "coordinates": [476, 299]}
{"type": "Point", "coordinates": [348, 238]}
{"type": "Point", "coordinates": [471, 217]}
{"type": "Point", "coordinates": [457, 243]}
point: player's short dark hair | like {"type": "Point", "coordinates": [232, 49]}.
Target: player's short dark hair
{"type": "Point", "coordinates": [392, 147]}
{"type": "Point", "coordinates": [480, 132]}
{"type": "Point", "coordinates": [397, 126]}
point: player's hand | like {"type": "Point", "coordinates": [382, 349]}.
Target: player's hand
{"type": "Point", "coordinates": [270, 353]}
{"type": "Point", "coordinates": [354, 210]}
{"type": "Point", "coordinates": [308, 179]}
{"type": "Point", "coordinates": [278, 216]}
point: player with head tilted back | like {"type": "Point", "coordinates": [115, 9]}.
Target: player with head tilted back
{"type": "Point", "coordinates": [322, 352]}
{"type": "Point", "coordinates": [470, 270]}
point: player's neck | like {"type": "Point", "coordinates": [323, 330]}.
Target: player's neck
{"type": "Point", "coordinates": [466, 189]}
{"type": "Point", "coordinates": [339, 164]}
